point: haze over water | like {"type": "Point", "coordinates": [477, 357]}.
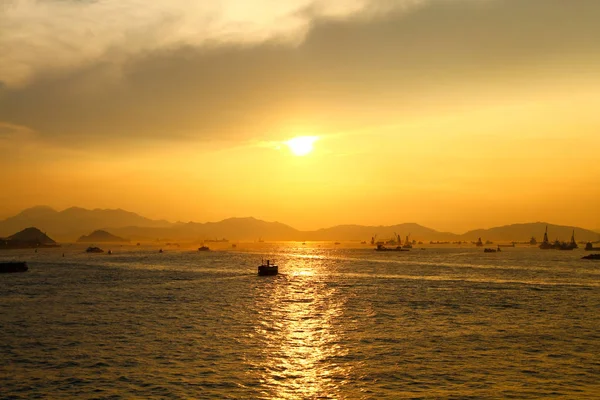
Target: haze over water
{"type": "Point", "coordinates": [335, 323]}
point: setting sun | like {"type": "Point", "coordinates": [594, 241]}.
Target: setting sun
{"type": "Point", "coordinates": [301, 145]}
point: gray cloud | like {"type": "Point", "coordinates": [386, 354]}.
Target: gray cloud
{"type": "Point", "coordinates": [38, 36]}
{"type": "Point", "coordinates": [361, 68]}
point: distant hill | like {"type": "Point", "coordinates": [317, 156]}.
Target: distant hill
{"type": "Point", "coordinates": [101, 236]}
{"type": "Point", "coordinates": [70, 224]}
{"type": "Point", "coordinates": [74, 222]}
{"type": "Point", "coordinates": [523, 232]}
{"type": "Point", "coordinates": [247, 229]}
{"type": "Point", "coordinates": [27, 238]}
{"type": "Point", "coordinates": [364, 233]}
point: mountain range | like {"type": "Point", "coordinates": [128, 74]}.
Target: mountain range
{"type": "Point", "coordinates": [70, 224]}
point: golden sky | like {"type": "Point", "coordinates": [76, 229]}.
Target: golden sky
{"type": "Point", "coordinates": [455, 114]}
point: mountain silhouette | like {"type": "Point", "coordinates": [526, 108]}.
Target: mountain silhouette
{"type": "Point", "coordinates": [74, 222]}
{"type": "Point", "coordinates": [523, 232]}
{"type": "Point", "coordinates": [101, 236]}
{"type": "Point", "coordinates": [364, 233]}
{"type": "Point", "coordinates": [70, 224]}
{"type": "Point", "coordinates": [27, 238]}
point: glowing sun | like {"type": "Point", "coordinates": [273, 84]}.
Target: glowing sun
{"type": "Point", "coordinates": [301, 145]}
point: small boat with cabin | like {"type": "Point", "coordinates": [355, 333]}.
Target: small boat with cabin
{"type": "Point", "coordinates": [268, 269]}
{"type": "Point", "coordinates": [94, 250]}
{"type": "Point", "coordinates": [203, 248]}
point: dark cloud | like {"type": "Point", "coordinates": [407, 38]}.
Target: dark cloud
{"type": "Point", "coordinates": [390, 64]}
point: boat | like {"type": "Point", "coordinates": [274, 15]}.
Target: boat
{"type": "Point", "coordinates": [268, 269]}
{"type": "Point", "coordinates": [407, 244]}
{"type": "Point", "coordinates": [573, 244]}
{"type": "Point", "coordinates": [546, 243]}
{"type": "Point", "coordinates": [591, 257]}
{"type": "Point", "coordinates": [488, 250]}
{"type": "Point", "coordinates": [160, 251]}
{"type": "Point", "coordinates": [479, 243]}
{"type": "Point", "coordinates": [215, 240]}
{"type": "Point", "coordinates": [590, 247]}
{"type": "Point", "coordinates": [13, 266]}
{"type": "Point", "coordinates": [109, 252]}
{"type": "Point", "coordinates": [557, 244]}
{"type": "Point", "coordinates": [203, 248]}
{"type": "Point", "coordinates": [94, 250]}
{"type": "Point", "coordinates": [533, 241]}
{"type": "Point", "coordinates": [395, 240]}
{"type": "Point", "coordinates": [381, 247]}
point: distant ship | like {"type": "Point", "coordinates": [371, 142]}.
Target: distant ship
{"type": "Point", "coordinates": [487, 250]}
{"type": "Point", "coordinates": [546, 243]}
{"type": "Point", "coordinates": [395, 240]}
{"type": "Point", "coordinates": [217, 240]}
{"type": "Point", "coordinates": [381, 247]}
{"type": "Point", "coordinates": [203, 248]}
{"type": "Point", "coordinates": [407, 244]}
{"type": "Point", "coordinates": [532, 241]}
{"type": "Point", "coordinates": [590, 247]}
{"type": "Point", "coordinates": [558, 245]}
{"type": "Point", "coordinates": [94, 250]}
{"type": "Point", "coordinates": [479, 243]}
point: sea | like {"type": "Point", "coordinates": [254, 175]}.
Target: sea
{"type": "Point", "coordinates": [338, 322]}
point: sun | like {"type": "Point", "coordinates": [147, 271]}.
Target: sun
{"type": "Point", "coordinates": [301, 145]}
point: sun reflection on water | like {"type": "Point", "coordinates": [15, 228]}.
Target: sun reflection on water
{"type": "Point", "coordinates": [299, 335]}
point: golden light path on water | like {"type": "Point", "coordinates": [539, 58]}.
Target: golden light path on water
{"type": "Point", "coordinates": [297, 328]}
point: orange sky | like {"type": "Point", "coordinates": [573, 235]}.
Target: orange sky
{"type": "Point", "coordinates": [453, 114]}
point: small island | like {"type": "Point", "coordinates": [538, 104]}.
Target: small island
{"type": "Point", "coordinates": [101, 236]}
{"type": "Point", "coordinates": [28, 238]}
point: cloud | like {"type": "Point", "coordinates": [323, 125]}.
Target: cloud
{"type": "Point", "coordinates": [348, 72]}
{"type": "Point", "coordinates": [10, 131]}
{"type": "Point", "coordinates": [41, 36]}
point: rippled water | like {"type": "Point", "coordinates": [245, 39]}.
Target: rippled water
{"type": "Point", "coordinates": [336, 323]}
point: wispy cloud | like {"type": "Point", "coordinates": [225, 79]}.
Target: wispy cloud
{"type": "Point", "coordinates": [47, 35]}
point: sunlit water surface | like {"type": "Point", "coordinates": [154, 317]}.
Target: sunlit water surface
{"type": "Point", "coordinates": [335, 323]}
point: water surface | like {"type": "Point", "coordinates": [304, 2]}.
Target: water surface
{"type": "Point", "coordinates": [336, 323]}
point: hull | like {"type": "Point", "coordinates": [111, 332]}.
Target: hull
{"type": "Point", "coordinates": [267, 270]}
{"type": "Point", "coordinates": [381, 248]}
{"type": "Point", "coordinates": [9, 267]}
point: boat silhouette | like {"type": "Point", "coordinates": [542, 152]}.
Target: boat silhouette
{"type": "Point", "coordinates": [268, 269]}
